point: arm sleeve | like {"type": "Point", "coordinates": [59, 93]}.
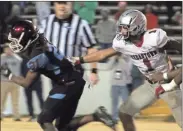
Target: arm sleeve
{"type": "Point", "coordinates": [87, 36]}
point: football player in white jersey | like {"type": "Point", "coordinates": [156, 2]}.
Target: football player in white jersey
{"type": "Point", "coordinates": [146, 49]}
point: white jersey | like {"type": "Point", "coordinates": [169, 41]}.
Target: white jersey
{"type": "Point", "coordinates": [145, 55]}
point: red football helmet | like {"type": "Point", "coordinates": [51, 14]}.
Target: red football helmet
{"type": "Point", "coordinates": [22, 34]}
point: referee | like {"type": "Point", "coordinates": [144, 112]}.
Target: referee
{"type": "Point", "coordinates": [71, 35]}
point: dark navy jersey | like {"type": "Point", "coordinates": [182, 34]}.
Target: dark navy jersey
{"type": "Point", "coordinates": [49, 62]}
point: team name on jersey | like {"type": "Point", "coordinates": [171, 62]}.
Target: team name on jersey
{"type": "Point", "coordinates": [144, 55]}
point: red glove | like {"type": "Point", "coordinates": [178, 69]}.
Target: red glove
{"type": "Point", "coordinates": [159, 90]}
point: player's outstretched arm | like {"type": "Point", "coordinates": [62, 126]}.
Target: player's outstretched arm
{"type": "Point", "coordinates": [98, 56]}
{"type": "Point", "coordinates": [24, 81]}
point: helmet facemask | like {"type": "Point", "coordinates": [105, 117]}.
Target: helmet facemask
{"type": "Point", "coordinates": [22, 34]}
{"type": "Point", "coordinates": [16, 44]}
{"type": "Point", "coordinates": [125, 32]}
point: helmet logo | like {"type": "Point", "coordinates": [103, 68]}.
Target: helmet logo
{"type": "Point", "coordinates": [19, 29]}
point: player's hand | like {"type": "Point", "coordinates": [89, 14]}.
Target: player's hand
{"type": "Point", "coordinates": [159, 90]}
{"type": "Point", "coordinates": [5, 71]}
{"type": "Point", "coordinates": [156, 77]}
{"type": "Point", "coordinates": [74, 60]}
{"type": "Point", "coordinates": [93, 78]}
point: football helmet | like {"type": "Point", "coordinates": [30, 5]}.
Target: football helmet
{"type": "Point", "coordinates": [22, 34]}
{"type": "Point", "coordinates": [131, 23]}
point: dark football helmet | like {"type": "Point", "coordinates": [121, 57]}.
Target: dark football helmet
{"type": "Point", "coordinates": [22, 34]}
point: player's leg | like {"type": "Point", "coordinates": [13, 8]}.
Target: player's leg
{"type": "Point", "coordinates": [174, 101]}
{"type": "Point", "coordinates": [173, 98]}
{"type": "Point", "coordinates": [39, 93]}
{"type": "Point", "coordinates": [140, 98]}
{"type": "Point", "coordinates": [65, 122]}
{"type": "Point", "coordinates": [28, 94]}
{"type": "Point", "coordinates": [52, 108]}
{"type": "Point", "coordinates": [74, 93]}
{"type": "Point", "coordinates": [99, 115]}
{"type": "Point", "coordinates": [48, 114]}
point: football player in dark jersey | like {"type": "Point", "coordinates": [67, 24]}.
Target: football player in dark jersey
{"type": "Point", "coordinates": [45, 59]}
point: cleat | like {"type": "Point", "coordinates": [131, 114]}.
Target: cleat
{"type": "Point", "coordinates": [102, 116]}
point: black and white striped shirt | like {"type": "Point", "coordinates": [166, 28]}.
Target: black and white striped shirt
{"type": "Point", "coordinates": [71, 36]}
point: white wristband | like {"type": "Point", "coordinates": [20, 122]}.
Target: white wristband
{"type": "Point", "coordinates": [11, 75]}
{"type": "Point", "coordinates": [165, 76]}
{"type": "Point", "coordinates": [170, 86]}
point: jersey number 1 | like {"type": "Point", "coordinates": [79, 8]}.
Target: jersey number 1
{"type": "Point", "coordinates": [148, 64]}
{"type": "Point", "coordinates": [146, 60]}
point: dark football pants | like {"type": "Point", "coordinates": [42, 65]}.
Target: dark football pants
{"type": "Point", "coordinates": [62, 102]}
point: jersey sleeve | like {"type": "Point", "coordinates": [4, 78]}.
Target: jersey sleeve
{"type": "Point", "coordinates": [162, 38]}
{"type": "Point", "coordinates": [54, 55]}
{"type": "Point", "coordinates": [37, 62]}
{"type": "Point", "coordinates": [57, 58]}
{"type": "Point", "coordinates": [116, 44]}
